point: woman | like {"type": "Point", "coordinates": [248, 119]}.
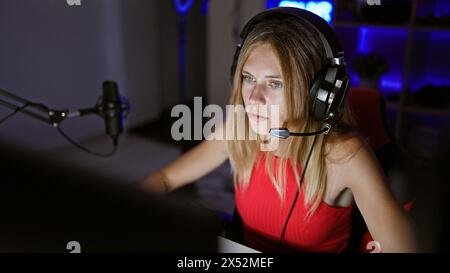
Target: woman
{"type": "Point", "coordinates": [280, 205]}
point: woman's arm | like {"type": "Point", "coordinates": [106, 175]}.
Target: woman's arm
{"type": "Point", "coordinates": [386, 220]}
{"type": "Point", "coordinates": [189, 167]}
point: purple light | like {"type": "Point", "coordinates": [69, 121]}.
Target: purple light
{"type": "Point", "coordinates": [183, 7]}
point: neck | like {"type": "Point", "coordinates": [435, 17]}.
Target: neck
{"type": "Point", "coordinates": [281, 149]}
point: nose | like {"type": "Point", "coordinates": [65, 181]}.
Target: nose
{"type": "Point", "coordinates": [257, 96]}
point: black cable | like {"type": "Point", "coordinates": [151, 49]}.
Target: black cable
{"type": "Point", "coordinates": [86, 149]}
{"type": "Point", "coordinates": [73, 142]}
{"type": "Point", "coordinates": [280, 242]}
{"type": "Point", "coordinates": [323, 130]}
{"type": "Point", "coordinates": [18, 109]}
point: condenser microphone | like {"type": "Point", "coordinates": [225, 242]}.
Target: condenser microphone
{"type": "Point", "coordinates": [112, 110]}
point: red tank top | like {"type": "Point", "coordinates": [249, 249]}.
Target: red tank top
{"type": "Point", "coordinates": [263, 216]}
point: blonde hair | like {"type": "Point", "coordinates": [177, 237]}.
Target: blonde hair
{"type": "Point", "coordinates": [302, 56]}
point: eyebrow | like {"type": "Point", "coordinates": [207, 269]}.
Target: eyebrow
{"type": "Point", "coordinates": [268, 76]}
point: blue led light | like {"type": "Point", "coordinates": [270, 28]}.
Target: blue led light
{"type": "Point", "coordinates": [204, 7]}
{"type": "Point", "coordinates": [429, 79]}
{"type": "Point", "coordinates": [183, 6]}
{"type": "Point", "coordinates": [293, 4]}
{"type": "Point", "coordinates": [371, 39]}
{"type": "Point", "coordinates": [363, 41]}
{"type": "Point", "coordinates": [392, 83]}
{"type": "Point", "coordinates": [322, 8]}
{"type": "Point", "coordinates": [389, 83]}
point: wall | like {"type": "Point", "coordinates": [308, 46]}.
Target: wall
{"type": "Point", "coordinates": [195, 53]}
{"type": "Point", "coordinates": [60, 55]}
{"type": "Point", "coordinates": [225, 21]}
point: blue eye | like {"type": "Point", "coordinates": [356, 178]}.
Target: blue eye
{"type": "Point", "coordinates": [276, 84]}
{"type": "Point", "coordinates": [248, 78]}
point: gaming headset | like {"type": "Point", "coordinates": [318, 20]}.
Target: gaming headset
{"type": "Point", "coordinates": [330, 86]}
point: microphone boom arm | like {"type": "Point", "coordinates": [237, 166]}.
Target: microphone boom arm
{"type": "Point", "coordinates": [43, 113]}
{"type": "Point", "coordinates": [112, 111]}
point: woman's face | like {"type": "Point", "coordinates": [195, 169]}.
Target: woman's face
{"type": "Point", "coordinates": [262, 88]}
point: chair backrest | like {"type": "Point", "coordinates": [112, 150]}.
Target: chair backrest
{"type": "Point", "coordinates": [369, 110]}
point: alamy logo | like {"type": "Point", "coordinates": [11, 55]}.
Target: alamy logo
{"type": "Point", "coordinates": [242, 123]}
{"type": "Point", "coordinates": [374, 2]}
{"type": "Point", "coordinates": [74, 246]}
{"type": "Point", "coordinates": [374, 247]}
{"type": "Point", "coordinates": [73, 2]}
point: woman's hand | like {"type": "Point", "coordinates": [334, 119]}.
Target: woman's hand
{"type": "Point", "coordinates": [191, 166]}
{"type": "Point", "coordinates": [157, 183]}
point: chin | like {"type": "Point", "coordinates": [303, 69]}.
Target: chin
{"type": "Point", "coordinates": [260, 128]}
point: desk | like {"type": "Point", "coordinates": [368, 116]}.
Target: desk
{"type": "Point", "coordinates": [227, 246]}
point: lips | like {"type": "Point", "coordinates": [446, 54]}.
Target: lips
{"type": "Point", "coordinates": [256, 117]}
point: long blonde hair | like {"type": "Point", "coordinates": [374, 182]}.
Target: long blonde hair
{"type": "Point", "coordinates": [302, 56]}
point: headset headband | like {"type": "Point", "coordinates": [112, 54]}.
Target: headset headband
{"type": "Point", "coordinates": [327, 35]}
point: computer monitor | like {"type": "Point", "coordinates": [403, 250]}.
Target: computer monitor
{"type": "Point", "coordinates": [49, 206]}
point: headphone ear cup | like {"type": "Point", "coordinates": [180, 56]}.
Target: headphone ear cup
{"type": "Point", "coordinates": [339, 97]}
{"type": "Point", "coordinates": [317, 107]}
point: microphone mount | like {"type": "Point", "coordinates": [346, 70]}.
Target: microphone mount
{"type": "Point", "coordinates": [328, 123]}
{"type": "Point", "coordinates": [52, 116]}
{"type": "Point", "coordinates": [55, 117]}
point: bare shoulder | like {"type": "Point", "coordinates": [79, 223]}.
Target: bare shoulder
{"type": "Point", "coordinates": [356, 169]}
{"type": "Point", "coordinates": [343, 150]}
{"type": "Point", "coordinates": [352, 158]}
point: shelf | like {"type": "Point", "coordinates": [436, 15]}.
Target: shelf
{"type": "Point", "coordinates": [431, 28]}
{"type": "Point", "coordinates": [366, 24]}
{"type": "Point", "coordinates": [351, 24]}
{"type": "Point", "coordinates": [419, 109]}
{"type": "Point", "coordinates": [402, 43]}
